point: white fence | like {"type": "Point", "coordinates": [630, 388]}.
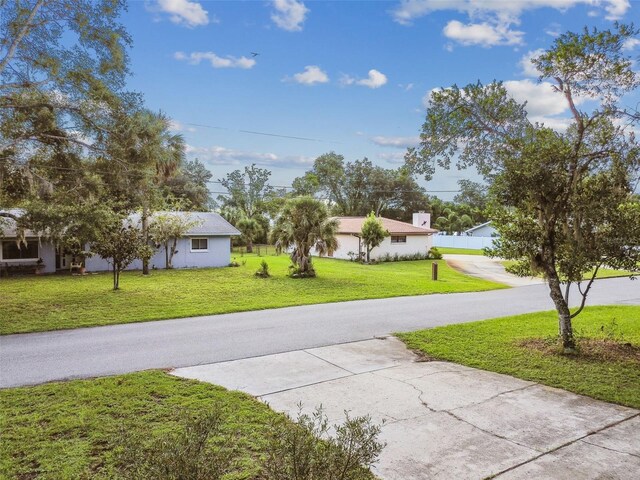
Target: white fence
{"type": "Point", "coordinates": [462, 241]}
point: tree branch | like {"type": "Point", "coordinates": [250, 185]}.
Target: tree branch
{"type": "Point", "coordinates": [23, 31]}
{"type": "Point", "coordinates": [9, 215]}
{"type": "Point", "coordinates": [586, 291]}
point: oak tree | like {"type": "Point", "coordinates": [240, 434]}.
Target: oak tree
{"type": "Point", "coordinates": [562, 201]}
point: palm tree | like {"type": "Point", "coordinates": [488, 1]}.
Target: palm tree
{"type": "Point", "coordinates": [153, 148]}
{"type": "Point", "coordinates": [303, 224]}
{"type": "Point", "coordinates": [250, 229]}
{"type": "Point", "coordinates": [450, 222]}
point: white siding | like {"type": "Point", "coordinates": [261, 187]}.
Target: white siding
{"type": "Point", "coordinates": [217, 255]}
{"type": "Point", "coordinates": [483, 231]}
{"type": "Point", "coordinates": [415, 244]}
{"type": "Point", "coordinates": [462, 241]}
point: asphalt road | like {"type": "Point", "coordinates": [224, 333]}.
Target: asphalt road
{"type": "Point", "coordinates": [27, 359]}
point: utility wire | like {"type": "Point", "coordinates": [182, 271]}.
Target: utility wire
{"type": "Point", "coordinates": [219, 182]}
{"type": "Point", "coordinates": [266, 134]}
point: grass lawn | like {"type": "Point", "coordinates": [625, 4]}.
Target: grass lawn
{"type": "Point", "coordinates": [602, 273]}
{"type": "Point", "coordinates": [68, 430]}
{"type": "Point", "coordinates": [41, 303]}
{"type": "Point", "coordinates": [460, 251]}
{"type": "Point", "coordinates": [607, 367]}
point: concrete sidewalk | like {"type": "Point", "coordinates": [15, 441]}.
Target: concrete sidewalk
{"type": "Point", "coordinates": [443, 420]}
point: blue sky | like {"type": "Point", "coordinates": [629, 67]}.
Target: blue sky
{"type": "Point", "coordinates": [347, 76]}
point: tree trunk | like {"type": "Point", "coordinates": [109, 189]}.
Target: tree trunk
{"type": "Point", "coordinates": [21, 34]}
{"type": "Point", "coordinates": [145, 235]}
{"type": "Point", "coordinates": [564, 315]}
{"type": "Point", "coordinates": [173, 252]}
{"type": "Point", "coordinates": [167, 260]}
{"type": "Point", "coordinates": [368, 254]}
{"type": "Point", "coordinates": [249, 246]}
{"type": "Point", "coordinates": [115, 277]}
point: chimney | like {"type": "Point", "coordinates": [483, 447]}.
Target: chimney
{"type": "Point", "coordinates": [422, 219]}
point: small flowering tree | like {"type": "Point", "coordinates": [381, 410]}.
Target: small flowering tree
{"type": "Point", "coordinates": [166, 228]}
{"type": "Point", "coordinates": [372, 233]}
{"type": "Point", "coordinates": [120, 245]}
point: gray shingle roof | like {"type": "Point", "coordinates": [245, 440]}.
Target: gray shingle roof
{"type": "Point", "coordinates": [209, 224]}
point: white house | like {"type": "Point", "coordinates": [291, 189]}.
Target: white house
{"type": "Point", "coordinates": [208, 244]}
{"type": "Point", "coordinates": [404, 238]}
{"type": "Point", "coordinates": [482, 230]}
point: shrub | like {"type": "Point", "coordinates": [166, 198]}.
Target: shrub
{"type": "Point", "coordinates": [296, 272]}
{"type": "Point", "coordinates": [195, 451]}
{"type": "Point", "coordinates": [434, 254]}
{"type": "Point", "coordinates": [294, 452]}
{"type": "Point", "coordinates": [263, 271]}
{"type": "Point", "coordinates": [202, 449]}
{"type": "Point", "coordinates": [387, 257]}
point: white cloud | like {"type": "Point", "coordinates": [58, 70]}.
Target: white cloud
{"type": "Point", "coordinates": [311, 75]}
{"type": "Point", "coordinates": [397, 142]}
{"type": "Point", "coordinates": [289, 14]}
{"type": "Point", "coordinates": [541, 98]}
{"type": "Point", "coordinates": [491, 21]}
{"type": "Point", "coordinates": [184, 12]}
{"type": "Point", "coordinates": [553, 30]}
{"type": "Point", "coordinates": [217, 155]}
{"type": "Point", "coordinates": [615, 9]}
{"type": "Point", "coordinates": [392, 157]}
{"type": "Point", "coordinates": [176, 126]}
{"type": "Point", "coordinates": [483, 34]}
{"type": "Point", "coordinates": [409, 10]}
{"type": "Point", "coordinates": [194, 58]}
{"type": "Point", "coordinates": [375, 79]}
{"type": "Point", "coordinates": [630, 44]}
{"type": "Point", "coordinates": [528, 68]}
{"type": "Point", "coordinates": [543, 103]}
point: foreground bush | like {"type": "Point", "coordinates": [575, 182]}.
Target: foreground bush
{"type": "Point", "coordinates": [194, 452]}
{"type": "Point", "coordinates": [294, 453]}
{"type": "Point", "coordinates": [296, 450]}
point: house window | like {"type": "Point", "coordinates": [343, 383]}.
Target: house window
{"type": "Point", "coordinates": [199, 244]}
{"type": "Point", "coordinates": [398, 239]}
{"type": "Point", "coordinates": [11, 250]}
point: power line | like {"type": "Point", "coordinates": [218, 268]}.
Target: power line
{"type": "Point", "coordinates": [266, 134]}
{"type": "Point", "coordinates": [219, 182]}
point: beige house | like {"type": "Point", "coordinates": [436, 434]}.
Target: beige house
{"type": "Point", "coordinates": [404, 238]}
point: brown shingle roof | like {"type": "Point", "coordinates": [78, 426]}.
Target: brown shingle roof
{"type": "Point", "coordinates": [353, 225]}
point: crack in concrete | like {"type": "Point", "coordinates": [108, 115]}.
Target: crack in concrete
{"type": "Point", "coordinates": [454, 416]}
{"type": "Point", "coordinates": [496, 396]}
{"type": "Point", "coordinates": [566, 445]}
{"type": "Point", "coordinates": [610, 449]}
{"type": "Point", "coordinates": [375, 372]}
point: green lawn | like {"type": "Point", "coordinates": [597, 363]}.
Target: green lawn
{"type": "Point", "coordinates": [607, 368]}
{"type": "Point", "coordinates": [32, 304]}
{"type": "Point", "coordinates": [68, 430]}
{"type": "Point", "coordinates": [460, 251]}
{"type": "Point", "coordinates": [602, 273]}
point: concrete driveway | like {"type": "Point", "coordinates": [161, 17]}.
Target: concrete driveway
{"type": "Point", "coordinates": [489, 269]}
{"type": "Point", "coordinates": [442, 420]}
